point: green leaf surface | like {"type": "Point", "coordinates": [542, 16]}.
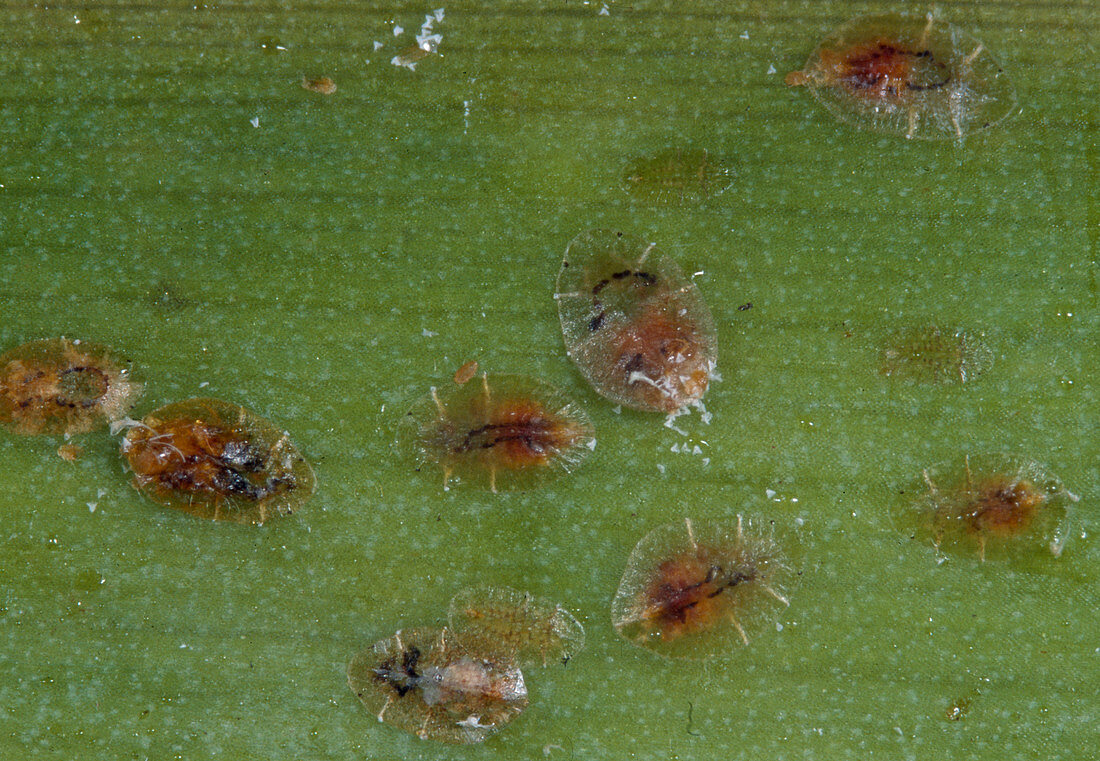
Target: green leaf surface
{"type": "Point", "coordinates": [168, 188]}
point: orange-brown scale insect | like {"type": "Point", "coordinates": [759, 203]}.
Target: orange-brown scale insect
{"type": "Point", "coordinates": [882, 69]}
{"type": "Point", "coordinates": [1003, 507]}
{"type": "Point", "coordinates": [525, 628]}
{"type": "Point", "coordinates": [465, 373]}
{"type": "Point", "coordinates": [659, 352]}
{"type": "Point", "coordinates": [323, 85]}
{"type": "Point", "coordinates": [994, 505]}
{"type": "Point", "coordinates": [907, 75]}
{"type": "Point", "coordinates": [216, 460]}
{"type": "Point", "coordinates": [60, 386]}
{"type": "Point", "coordinates": [70, 452]}
{"type": "Point", "coordinates": [423, 682]}
{"type": "Point", "coordinates": [514, 430]}
{"type": "Point", "coordinates": [935, 355]}
{"type": "Point", "coordinates": [676, 176]}
{"type": "Point", "coordinates": [636, 328]}
{"type": "Point", "coordinates": [686, 587]}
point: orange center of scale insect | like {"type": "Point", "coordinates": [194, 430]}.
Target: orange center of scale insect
{"type": "Point", "coordinates": [1003, 508]}
{"type": "Point", "coordinates": [662, 352]}
{"type": "Point", "coordinates": [520, 433]}
{"type": "Point", "coordinates": [199, 457]}
{"type": "Point", "coordinates": [518, 427]}
{"type": "Point", "coordinates": [880, 69]}
{"type": "Point", "coordinates": [686, 594]}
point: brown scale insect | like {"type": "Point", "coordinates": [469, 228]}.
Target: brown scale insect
{"type": "Point", "coordinates": [686, 588]}
{"type": "Point", "coordinates": [465, 373]}
{"type": "Point", "coordinates": [216, 460]}
{"type": "Point", "coordinates": [935, 355]}
{"type": "Point", "coordinates": [676, 176]}
{"type": "Point", "coordinates": [878, 70]}
{"type": "Point", "coordinates": [422, 681]}
{"type": "Point", "coordinates": [994, 505]}
{"type": "Point", "coordinates": [70, 452]}
{"type": "Point", "coordinates": [412, 55]}
{"type": "Point", "coordinates": [636, 328]}
{"type": "Point", "coordinates": [907, 75]}
{"type": "Point", "coordinates": [323, 85]}
{"type": "Point", "coordinates": [56, 386]}
{"type": "Point", "coordinates": [518, 625]}
{"type": "Point", "coordinates": [512, 430]}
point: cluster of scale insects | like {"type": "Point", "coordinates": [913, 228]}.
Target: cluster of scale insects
{"type": "Point", "coordinates": [207, 457]}
{"type": "Point", "coordinates": [641, 334]}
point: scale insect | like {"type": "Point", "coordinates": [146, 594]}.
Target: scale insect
{"type": "Point", "coordinates": [59, 386]}
{"type": "Point", "coordinates": [636, 328]}
{"type": "Point", "coordinates": [525, 628]}
{"type": "Point", "coordinates": [696, 590]}
{"type": "Point", "coordinates": [216, 460]}
{"type": "Point", "coordinates": [994, 506]}
{"type": "Point", "coordinates": [912, 76]}
{"type": "Point", "coordinates": [935, 355]}
{"type": "Point", "coordinates": [509, 430]}
{"type": "Point", "coordinates": [422, 681]}
{"type": "Point", "coordinates": [676, 177]}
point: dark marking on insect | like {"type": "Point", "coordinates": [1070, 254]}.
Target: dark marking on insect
{"type": "Point", "coordinates": [907, 75]}
{"type": "Point", "coordinates": [216, 460]}
{"type": "Point", "coordinates": [61, 386]}
{"type": "Point", "coordinates": [402, 678]}
{"type": "Point", "coordinates": [514, 426]}
{"type": "Point", "coordinates": [682, 600]}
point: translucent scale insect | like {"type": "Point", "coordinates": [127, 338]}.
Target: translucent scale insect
{"type": "Point", "coordinates": [676, 176]}
{"type": "Point", "coordinates": [935, 355]}
{"type": "Point", "coordinates": [527, 629]}
{"type": "Point", "coordinates": [60, 386]}
{"type": "Point", "coordinates": [510, 430]}
{"type": "Point", "coordinates": [323, 85]}
{"type": "Point", "coordinates": [637, 329]}
{"type": "Point", "coordinates": [462, 683]}
{"type": "Point", "coordinates": [907, 75]}
{"type": "Point", "coordinates": [990, 505]}
{"type": "Point", "coordinates": [216, 460]}
{"type": "Point", "coordinates": [696, 590]}
{"type": "Point", "coordinates": [424, 682]}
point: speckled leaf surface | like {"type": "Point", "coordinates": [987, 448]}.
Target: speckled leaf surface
{"type": "Point", "coordinates": [168, 188]}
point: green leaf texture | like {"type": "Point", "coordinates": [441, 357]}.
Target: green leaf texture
{"type": "Point", "coordinates": [168, 188]}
